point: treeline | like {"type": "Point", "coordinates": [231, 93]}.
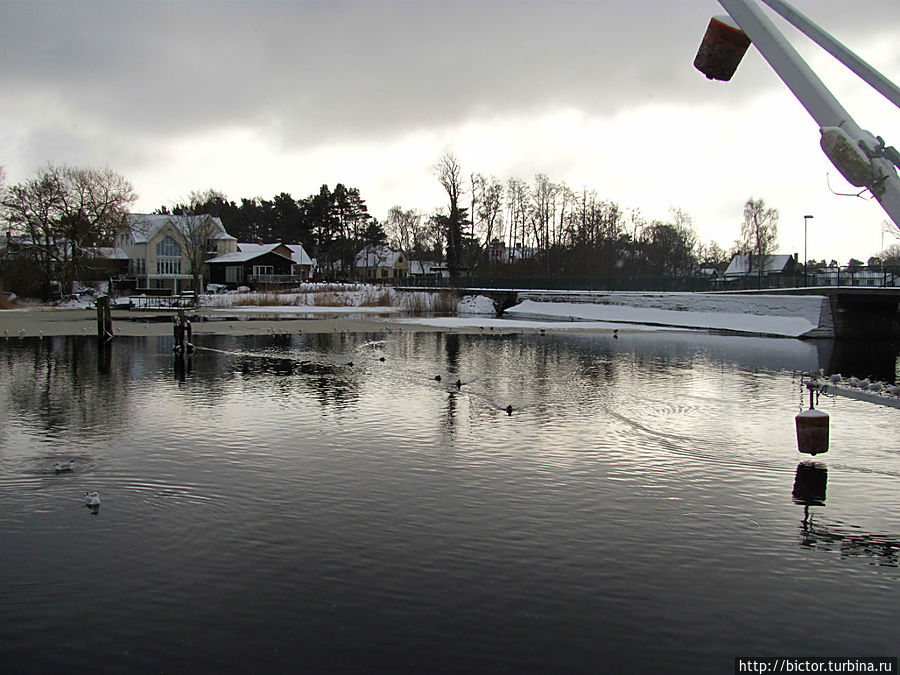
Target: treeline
{"type": "Point", "coordinates": [515, 227]}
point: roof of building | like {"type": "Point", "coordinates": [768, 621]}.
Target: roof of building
{"type": "Point", "coordinates": [112, 253]}
{"type": "Point", "coordinates": [301, 257]}
{"type": "Point", "coordinates": [378, 256]}
{"type": "Point", "coordinates": [740, 263]}
{"type": "Point", "coordinates": [247, 252]}
{"type": "Point", "coordinates": [145, 225]}
{"type": "Point", "coordinates": [422, 266]}
{"type": "Point", "coordinates": [251, 252]}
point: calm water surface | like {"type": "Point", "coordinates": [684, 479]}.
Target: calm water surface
{"type": "Point", "coordinates": [271, 507]}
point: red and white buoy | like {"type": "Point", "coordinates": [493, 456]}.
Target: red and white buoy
{"type": "Point", "coordinates": [812, 431]}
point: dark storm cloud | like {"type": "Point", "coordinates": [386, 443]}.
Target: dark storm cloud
{"type": "Point", "coordinates": [309, 71]}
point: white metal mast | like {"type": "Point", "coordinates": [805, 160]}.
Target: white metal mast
{"type": "Point", "coordinates": [860, 156]}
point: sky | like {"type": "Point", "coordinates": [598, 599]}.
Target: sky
{"type": "Point", "coordinates": [256, 98]}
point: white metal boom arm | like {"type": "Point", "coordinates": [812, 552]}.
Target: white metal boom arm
{"type": "Point", "coordinates": [880, 175]}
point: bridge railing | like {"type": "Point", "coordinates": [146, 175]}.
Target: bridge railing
{"type": "Point", "coordinates": [881, 276]}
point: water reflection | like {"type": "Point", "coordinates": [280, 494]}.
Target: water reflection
{"type": "Point", "coordinates": [810, 486]}
{"type": "Point", "coordinates": [632, 508]}
{"type": "Point", "coordinates": [65, 388]}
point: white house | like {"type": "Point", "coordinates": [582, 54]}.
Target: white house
{"type": "Point", "coordinates": [160, 248]}
{"type": "Point", "coordinates": [743, 265]}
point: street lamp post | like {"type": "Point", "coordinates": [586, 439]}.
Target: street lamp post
{"type": "Point", "coordinates": [805, 261]}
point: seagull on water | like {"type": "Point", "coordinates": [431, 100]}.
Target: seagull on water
{"type": "Point", "coordinates": [64, 466]}
{"type": "Point", "coordinates": [92, 499]}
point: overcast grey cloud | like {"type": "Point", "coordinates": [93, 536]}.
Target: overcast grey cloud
{"type": "Point", "coordinates": [124, 83]}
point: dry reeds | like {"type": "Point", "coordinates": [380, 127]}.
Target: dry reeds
{"type": "Point", "coordinates": [378, 298]}
{"type": "Point", "coordinates": [332, 300]}
{"type": "Point", "coordinates": [445, 302]}
{"type": "Point", "coordinates": [264, 300]}
{"type": "Point", "coordinates": [442, 302]}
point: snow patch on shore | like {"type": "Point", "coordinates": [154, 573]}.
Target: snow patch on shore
{"type": "Point", "coordinates": [477, 305]}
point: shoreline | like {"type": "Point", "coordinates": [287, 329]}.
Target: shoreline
{"type": "Point", "coordinates": [55, 322]}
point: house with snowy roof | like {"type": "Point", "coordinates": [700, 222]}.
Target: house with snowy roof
{"type": "Point", "coordinates": [381, 262]}
{"type": "Point", "coordinates": [261, 264]}
{"type": "Point", "coordinates": [164, 251]}
{"type": "Point", "coordinates": [748, 264]}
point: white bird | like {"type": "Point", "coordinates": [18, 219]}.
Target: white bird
{"type": "Point", "coordinates": [853, 381]}
{"type": "Point", "coordinates": [876, 386]}
{"type": "Point", "coordinates": [891, 390]}
{"type": "Point", "coordinates": [864, 384]}
{"type": "Point", "coordinates": [835, 378]}
{"type": "Point", "coordinates": [64, 466]}
{"type": "Point", "coordinates": [92, 499]}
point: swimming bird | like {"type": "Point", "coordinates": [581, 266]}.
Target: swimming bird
{"type": "Point", "coordinates": [92, 499]}
{"type": "Point", "coordinates": [381, 359]}
{"type": "Point", "coordinates": [509, 410]}
{"type": "Point", "coordinates": [64, 466]}
{"type": "Point", "coordinates": [459, 384]}
{"type": "Point", "coordinates": [437, 378]}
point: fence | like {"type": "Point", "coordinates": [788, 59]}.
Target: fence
{"type": "Point", "coordinates": [831, 276]}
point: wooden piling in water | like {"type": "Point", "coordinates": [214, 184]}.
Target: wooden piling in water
{"type": "Point", "coordinates": [104, 318]}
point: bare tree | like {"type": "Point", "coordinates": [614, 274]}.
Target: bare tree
{"type": "Point", "coordinates": [517, 212]}
{"type": "Point", "coordinates": [406, 230]}
{"type": "Point", "coordinates": [759, 233]}
{"type": "Point", "coordinates": [198, 231]}
{"type": "Point", "coordinates": [65, 213]}
{"type": "Point", "coordinates": [448, 172]}
{"type": "Point", "coordinates": [488, 214]}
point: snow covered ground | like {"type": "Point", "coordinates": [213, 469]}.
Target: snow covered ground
{"type": "Point", "coordinates": [778, 315]}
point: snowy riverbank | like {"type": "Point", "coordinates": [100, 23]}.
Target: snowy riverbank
{"type": "Point", "coordinates": [367, 308]}
{"type": "Point", "coordinates": [775, 315]}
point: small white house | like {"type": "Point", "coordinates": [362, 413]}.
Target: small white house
{"type": "Point", "coordinates": [743, 265]}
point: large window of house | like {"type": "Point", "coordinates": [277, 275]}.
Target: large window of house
{"type": "Point", "coordinates": [168, 257]}
{"type": "Point", "coordinates": [168, 248]}
{"type": "Point", "coordinates": [260, 270]}
{"type": "Point", "coordinates": [168, 266]}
